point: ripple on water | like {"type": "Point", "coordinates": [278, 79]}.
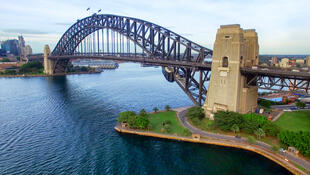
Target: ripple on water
{"type": "Point", "coordinates": [64, 125]}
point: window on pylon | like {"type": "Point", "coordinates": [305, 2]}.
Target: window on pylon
{"type": "Point", "coordinates": [225, 62]}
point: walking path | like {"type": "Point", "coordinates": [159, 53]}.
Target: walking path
{"type": "Point", "coordinates": [260, 145]}
{"type": "Point", "coordinates": [276, 117]}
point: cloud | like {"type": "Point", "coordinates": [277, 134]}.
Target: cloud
{"type": "Point", "coordinates": [23, 31]}
{"type": "Point", "coordinates": [63, 23]}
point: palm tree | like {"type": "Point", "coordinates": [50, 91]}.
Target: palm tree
{"type": "Point", "coordinates": [234, 128]}
{"type": "Point", "coordinates": [259, 133]}
{"type": "Point", "coordinates": [167, 107]}
{"type": "Point", "coordinates": [155, 109]}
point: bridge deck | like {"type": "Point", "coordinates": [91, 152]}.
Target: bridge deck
{"type": "Point", "coordinates": [139, 59]}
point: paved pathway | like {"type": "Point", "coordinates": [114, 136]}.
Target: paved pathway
{"type": "Point", "coordinates": [183, 119]}
{"type": "Point", "coordinates": [276, 117]}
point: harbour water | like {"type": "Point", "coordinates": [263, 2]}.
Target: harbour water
{"type": "Point", "coordinates": [64, 125]}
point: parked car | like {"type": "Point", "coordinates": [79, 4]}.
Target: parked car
{"type": "Point", "coordinates": [294, 108]}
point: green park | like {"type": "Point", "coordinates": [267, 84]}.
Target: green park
{"type": "Point", "coordinates": [291, 129]}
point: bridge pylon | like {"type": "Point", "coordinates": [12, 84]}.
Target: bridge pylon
{"type": "Point", "coordinates": [48, 64]}
{"type": "Point", "coordinates": [229, 90]}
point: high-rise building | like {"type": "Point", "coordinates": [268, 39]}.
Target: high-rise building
{"type": "Point", "coordinates": [21, 46]}
{"type": "Point", "coordinates": [28, 50]}
{"type": "Point", "coordinates": [10, 46]}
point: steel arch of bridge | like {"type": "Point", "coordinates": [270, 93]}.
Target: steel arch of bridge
{"type": "Point", "coordinates": [158, 43]}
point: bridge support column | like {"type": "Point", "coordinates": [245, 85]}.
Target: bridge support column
{"type": "Point", "coordinates": [48, 64]}
{"type": "Point", "coordinates": [228, 89]}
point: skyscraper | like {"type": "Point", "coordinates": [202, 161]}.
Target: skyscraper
{"type": "Point", "coordinates": [11, 46]}
{"type": "Point", "coordinates": [28, 50]}
{"type": "Point", "coordinates": [21, 46]}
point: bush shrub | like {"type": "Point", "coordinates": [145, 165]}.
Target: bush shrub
{"type": "Point", "coordinates": [251, 122]}
{"type": "Point", "coordinates": [186, 132]}
{"type": "Point", "coordinates": [124, 116]}
{"type": "Point", "coordinates": [300, 104]}
{"type": "Point", "coordinates": [133, 120]}
{"type": "Point", "coordinates": [195, 112]}
{"type": "Point", "coordinates": [271, 129]}
{"type": "Point", "coordinates": [300, 140]}
{"type": "Point", "coordinates": [265, 103]}
{"type": "Point", "coordinates": [31, 67]}
{"type": "Point", "coordinates": [225, 120]}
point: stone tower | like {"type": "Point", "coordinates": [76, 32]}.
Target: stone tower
{"type": "Point", "coordinates": [48, 64]}
{"type": "Point", "coordinates": [234, 48]}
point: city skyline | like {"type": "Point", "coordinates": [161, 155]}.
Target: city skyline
{"type": "Point", "coordinates": [282, 26]}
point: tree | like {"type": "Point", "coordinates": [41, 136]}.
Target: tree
{"type": "Point", "coordinates": [271, 129]}
{"type": "Point", "coordinates": [155, 109]}
{"type": "Point", "coordinates": [265, 103]}
{"type": "Point", "coordinates": [225, 120]}
{"type": "Point", "coordinates": [300, 140]}
{"type": "Point", "coordinates": [259, 133]}
{"type": "Point", "coordinates": [141, 122]}
{"type": "Point", "coordinates": [10, 72]}
{"type": "Point", "coordinates": [84, 69]}
{"type": "Point", "coordinates": [167, 107]}
{"type": "Point", "coordinates": [252, 122]}
{"type": "Point", "coordinates": [234, 128]}
{"type": "Point", "coordinates": [195, 112]}
{"type": "Point", "coordinates": [143, 112]}
{"type": "Point", "coordinates": [300, 104]}
{"type": "Point", "coordinates": [31, 67]}
{"type": "Point", "coordinates": [125, 116]}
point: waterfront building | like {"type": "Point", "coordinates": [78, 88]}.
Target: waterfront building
{"type": "Point", "coordinates": [300, 62]}
{"type": "Point", "coordinates": [308, 61]}
{"type": "Point", "coordinates": [274, 60]}
{"type": "Point", "coordinates": [285, 63]}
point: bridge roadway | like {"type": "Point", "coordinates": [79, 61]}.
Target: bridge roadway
{"type": "Point", "coordinates": [298, 73]}
{"type": "Point", "coordinates": [138, 59]}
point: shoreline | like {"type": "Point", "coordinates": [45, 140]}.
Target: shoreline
{"type": "Point", "coordinates": [44, 75]}
{"type": "Point", "coordinates": [280, 160]}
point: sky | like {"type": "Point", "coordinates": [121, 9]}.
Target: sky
{"type": "Point", "coordinates": [282, 25]}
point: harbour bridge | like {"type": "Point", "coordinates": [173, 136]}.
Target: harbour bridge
{"type": "Point", "coordinates": [112, 37]}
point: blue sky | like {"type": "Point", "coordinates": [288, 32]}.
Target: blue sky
{"type": "Point", "coordinates": [282, 25]}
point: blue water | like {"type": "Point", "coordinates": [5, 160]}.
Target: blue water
{"type": "Point", "coordinates": [64, 125]}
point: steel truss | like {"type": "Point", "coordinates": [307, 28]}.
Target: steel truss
{"type": "Point", "coordinates": [279, 83]}
{"type": "Point", "coordinates": [158, 43]}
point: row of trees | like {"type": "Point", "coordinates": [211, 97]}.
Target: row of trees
{"type": "Point", "coordinates": [31, 68]}
{"type": "Point", "coordinates": [167, 108]}
{"type": "Point", "coordinates": [299, 140]}
{"type": "Point", "coordinates": [248, 123]}
{"type": "Point", "coordinates": [135, 121]}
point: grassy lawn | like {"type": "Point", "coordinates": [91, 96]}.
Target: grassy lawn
{"type": "Point", "coordinates": [206, 125]}
{"type": "Point", "coordinates": [295, 121]}
{"type": "Point", "coordinates": [156, 120]}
